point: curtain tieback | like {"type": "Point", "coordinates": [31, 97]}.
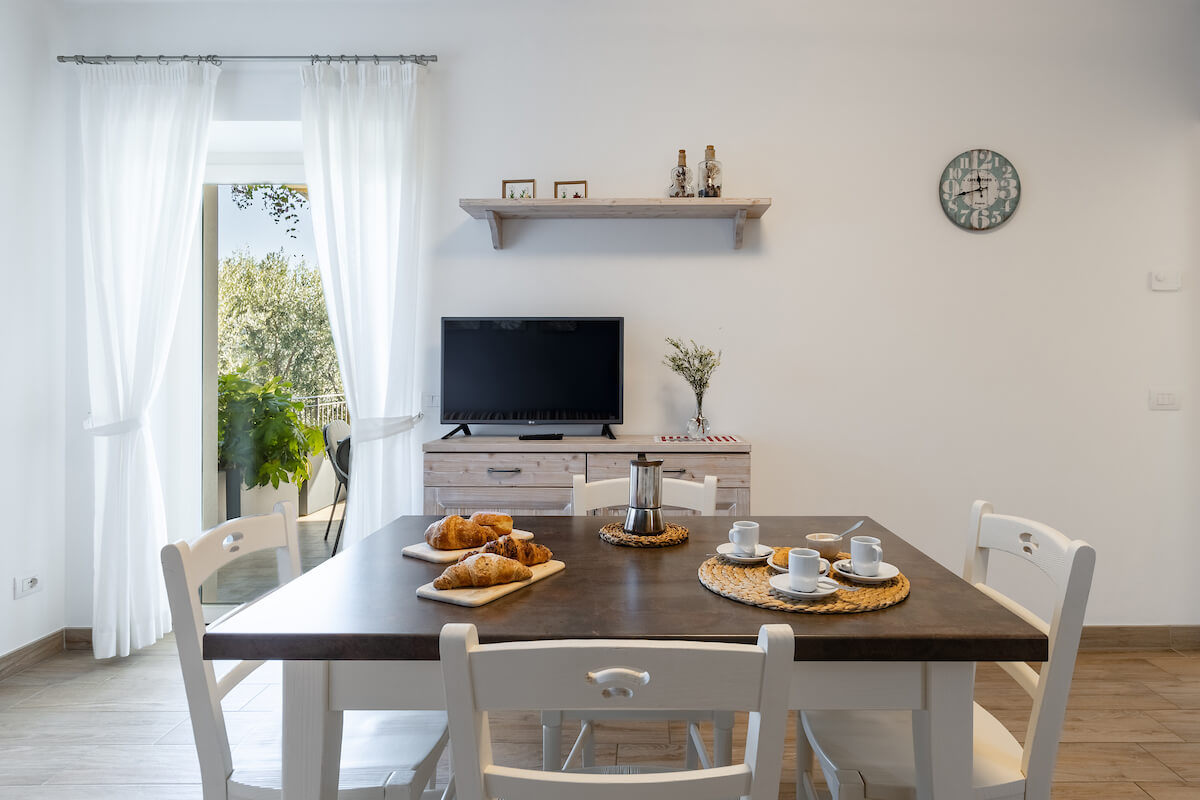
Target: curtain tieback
{"type": "Point", "coordinates": [114, 428]}
{"type": "Point", "coordinates": [368, 429]}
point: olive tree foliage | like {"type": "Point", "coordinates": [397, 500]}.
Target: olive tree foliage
{"type": "Point", "coordinates": [271, 314]}
{"type": "Point", "coordinates": [282, 201]}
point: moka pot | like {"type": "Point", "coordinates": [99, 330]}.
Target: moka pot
{"type": "Point", "coordinates": [644, 517]}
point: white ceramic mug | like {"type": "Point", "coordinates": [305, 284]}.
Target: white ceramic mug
{"type": "Point", "coordinates": [744, 536]}
{"type": "Point", "coordinates": [865, 555]}
{"type": "Point", "coordinates": [804, 568]}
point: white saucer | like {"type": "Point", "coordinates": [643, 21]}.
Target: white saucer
{"type": "Point", "coordinates": [886, 572]}
{"type": "Point", "coordinates": [825, 587]}
{"type": "Point", "coordinates": [728, 550]}
{"type": "Point", "coordinates": [824, 567]}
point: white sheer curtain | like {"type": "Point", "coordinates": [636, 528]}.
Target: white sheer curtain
{"type": "Point", "coordinates": [362, 162]}
{"type": "Point", "coordinates": [145, 133]}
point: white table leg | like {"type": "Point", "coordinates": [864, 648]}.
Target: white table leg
{"type": "Point", "coordinates": [312, 733]}
{"type": "Point", "coordinates": [943, 733]}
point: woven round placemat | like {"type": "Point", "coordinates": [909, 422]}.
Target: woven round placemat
{"type": "Point", "coordinates": [614, 533]}
{"type": "Point", "coordinates": [750, 585]}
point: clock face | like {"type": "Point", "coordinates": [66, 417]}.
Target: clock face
{"type": "Point", "coordinates": [979, 190]}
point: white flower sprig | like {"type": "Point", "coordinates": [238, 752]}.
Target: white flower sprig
{"type": "Point", "coordinates": [695, 363]}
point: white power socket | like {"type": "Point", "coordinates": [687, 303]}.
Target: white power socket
{"type": "Point", "coordinates": [26, 586]}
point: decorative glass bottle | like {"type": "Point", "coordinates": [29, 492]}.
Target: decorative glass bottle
{"type": "Point", "coordinates": [681, 179]}
{"type": "Point", "coordinates": [698, 427]}
{"type": "Point", "coordinates": [708, 175]}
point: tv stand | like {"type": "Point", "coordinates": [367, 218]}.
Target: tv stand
{"type": "Point", "coordinates": [529, 477]}
{"type": "Point", "coordinates": [464, 427]}
{"type": "Point", "coordinates": [607, 431]}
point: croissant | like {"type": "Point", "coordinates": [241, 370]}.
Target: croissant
{"type": "Point", "coordinates": [501, 523]}
{"type": "Point", "coordinates": [482, 569]}
{"type": "Point", "coordinates": [456, 533]}
{"type": "Point", "coordinates": [523, 550]}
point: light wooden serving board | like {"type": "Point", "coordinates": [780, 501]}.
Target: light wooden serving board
{"type": "Point", "coordinates": [424, 552]}
{"type": "Point", "coordinates": [485, 594]}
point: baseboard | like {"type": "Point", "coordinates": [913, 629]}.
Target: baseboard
{"type": "Point", "coordinates": [77, 638]}
{"type": "Point", "coordinates": [1140, 637]}
{"type": "Point", "coordinates": [25, 657]}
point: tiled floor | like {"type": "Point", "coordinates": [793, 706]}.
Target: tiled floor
{"type": "Point", "coordinates": [72, 727]}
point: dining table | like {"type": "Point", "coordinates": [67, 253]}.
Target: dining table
{"type": "Point", "coordinates": [353, 634]}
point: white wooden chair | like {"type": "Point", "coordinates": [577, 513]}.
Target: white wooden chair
{"type": "Point", "coordinates": [386, 755]}
{"type": "Point", "coordinates": [611, 493]}
{"type": "Point", "coordinates": [870, 754]}
{"type": "Point", "coordinates": [614, 492]}
{"type": "Point", "coordinates": [625, 676]}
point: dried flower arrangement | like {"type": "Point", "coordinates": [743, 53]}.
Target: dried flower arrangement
{"type": "Point", "coordinates": [696, 364]}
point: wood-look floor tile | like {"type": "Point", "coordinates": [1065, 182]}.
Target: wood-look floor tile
{"type": "Point", "coordinates": [1182, 693]}
{"type": "Point", "coordinates": [135, 694]}
{"type": "Point", "coordinates": [103, 792]}
{"type": "Point", "coordinates": [1184, 723]}
{"type": "Point", "coordinates": [1115, 695]}
{"type": "Point", "coordinates": [1181, 666]}
{"type": "Point", "coordinates": [160, 763]}
{"type": "Point", "coordinates": [1183, 759]}
{"type": "Point", "coordinates": [24, 765]}
{"type": "Point", "coordinates": [1171, 791]}
{"type": "Point", "coordinates": [1114, 726]}
{"type": "Point", "coordinates": [43, 727]}
{"type": "Point", "coordinates": [1105, 761]}
{"type": "Point", "coordinates": [13, 693]}
{"type": "Point", "coordinates": [1120, 669]}
{"type": "Point", "coordinates": [665, 755]}
{"type": "Point", "coordinates": [1090, 791]}
{"type": "Point", "coordinates": [238, 726]}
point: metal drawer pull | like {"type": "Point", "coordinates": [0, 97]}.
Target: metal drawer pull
{"type": "Point", "coordinates": [493, 469]}
{"type": "Point", "coordinates": [674, 471]}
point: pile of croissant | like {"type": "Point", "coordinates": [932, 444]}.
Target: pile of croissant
{"type": "Point", "coordinates": [500, 559]}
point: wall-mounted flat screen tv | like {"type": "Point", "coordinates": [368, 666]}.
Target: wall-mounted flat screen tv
{"type": "Point", "coordinates": [532, 370]}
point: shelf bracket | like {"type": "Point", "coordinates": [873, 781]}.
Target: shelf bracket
{"type": "Point", "coordinates": [493, 220]}
{"type": "Point", "coordinates": [739, 223]}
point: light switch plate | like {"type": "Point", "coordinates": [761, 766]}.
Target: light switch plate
{"type": "Point", "coordinates": [1164, 400]}
{"type": "Point", "coordinates": [1166, 281]}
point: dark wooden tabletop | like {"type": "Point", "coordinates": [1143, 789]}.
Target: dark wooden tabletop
{"type": "Point", "coordinates": [362, 604]}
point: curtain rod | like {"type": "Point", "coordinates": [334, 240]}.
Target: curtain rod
{"type": "Point", "coordinates": [213, 59]}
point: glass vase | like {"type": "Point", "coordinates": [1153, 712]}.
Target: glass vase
{"type": "Point", "coordinates": [698, 426]}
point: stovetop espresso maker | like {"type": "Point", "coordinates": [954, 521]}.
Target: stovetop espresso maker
{"type": "Point", "coordinates": [644, 517]}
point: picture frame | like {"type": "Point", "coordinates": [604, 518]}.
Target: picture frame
{"type": "Point", "coordinates": [570, 190]}
{"type": "Point", "coordinates": [518, 189]}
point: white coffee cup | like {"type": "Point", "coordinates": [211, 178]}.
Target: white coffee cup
{"type": "Point", "coordinates": [744, 536]}
{"type": "Point", "coordinates": [865, 556]}
{"type": "Point", "coordinates": [804, 568]}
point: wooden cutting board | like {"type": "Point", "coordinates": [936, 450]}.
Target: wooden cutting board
{"type": "Point", "coordinates": [424, 552]}
{"type": "Point", "coordinates": [485, 594]}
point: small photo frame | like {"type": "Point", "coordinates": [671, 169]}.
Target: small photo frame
{"type": "Point", "coordinates": [570, 190]}
{"type": "Point", "coordinates": [522, 189]}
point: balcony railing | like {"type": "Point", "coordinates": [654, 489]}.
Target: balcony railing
{"type": "Point", "coordinates": [321, 409]}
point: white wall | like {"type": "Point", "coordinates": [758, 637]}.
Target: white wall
{"type": "Point", "coordinates": [32, 321]}
{"type": "Point", "coordinates": [882, 361]}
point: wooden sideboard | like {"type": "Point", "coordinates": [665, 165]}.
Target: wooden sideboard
{"type": "Point", "coordinates": [503, 473]}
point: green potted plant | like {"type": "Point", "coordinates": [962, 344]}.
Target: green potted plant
{"type": "Point", "coordinates": [260, 437]}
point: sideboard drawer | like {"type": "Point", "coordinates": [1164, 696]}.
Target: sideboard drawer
{"type": "Point", "coordinates": [732, 469]}
{"type": "Point", "coordinates": [502, 469]}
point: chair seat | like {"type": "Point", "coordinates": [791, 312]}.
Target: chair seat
{"type": "Point", "coordinates": [384, 754]}
{"type": "Point", "coordinates": [878, 746]}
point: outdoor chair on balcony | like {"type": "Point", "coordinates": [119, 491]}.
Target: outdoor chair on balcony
{"type": "Point", "coordinates": [336, 433]}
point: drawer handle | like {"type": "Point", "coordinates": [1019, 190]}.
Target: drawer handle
{"type": "Point", "coordinates": [493, 469]}
{"type": "Point", "coordinates": [674, 471]}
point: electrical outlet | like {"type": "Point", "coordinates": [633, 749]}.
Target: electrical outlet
{"type": "Point", "coordinates": [25, 586]}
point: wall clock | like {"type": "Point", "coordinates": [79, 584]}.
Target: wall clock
{"type": "Point", "coordinates": [979, 190]}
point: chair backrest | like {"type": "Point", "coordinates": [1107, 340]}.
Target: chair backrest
{"type": "Point", "coordinates": [697, 496]}
{"type": "Point", "coordinates": [616, 674]}
{"type": "Point", "coordinates": [186, 565]}
{"type": "Point", "coordinates": [1069, 565]}
{"type": "Point", "coordinates": [335, 431]}
{"type": "Point", "coordinates": [341, 462]}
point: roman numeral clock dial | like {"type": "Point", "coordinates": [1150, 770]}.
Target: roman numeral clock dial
{"type": "Point", "coordinates": [979, 190]}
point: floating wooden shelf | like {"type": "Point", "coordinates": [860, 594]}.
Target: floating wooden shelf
{"type": "Point", "coordinates": [736, 209]}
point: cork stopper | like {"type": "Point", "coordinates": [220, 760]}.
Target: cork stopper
{"type": "Point", "coordinates": [710, 153]}
{"type": "Point", "coordinates": [683, 158]}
